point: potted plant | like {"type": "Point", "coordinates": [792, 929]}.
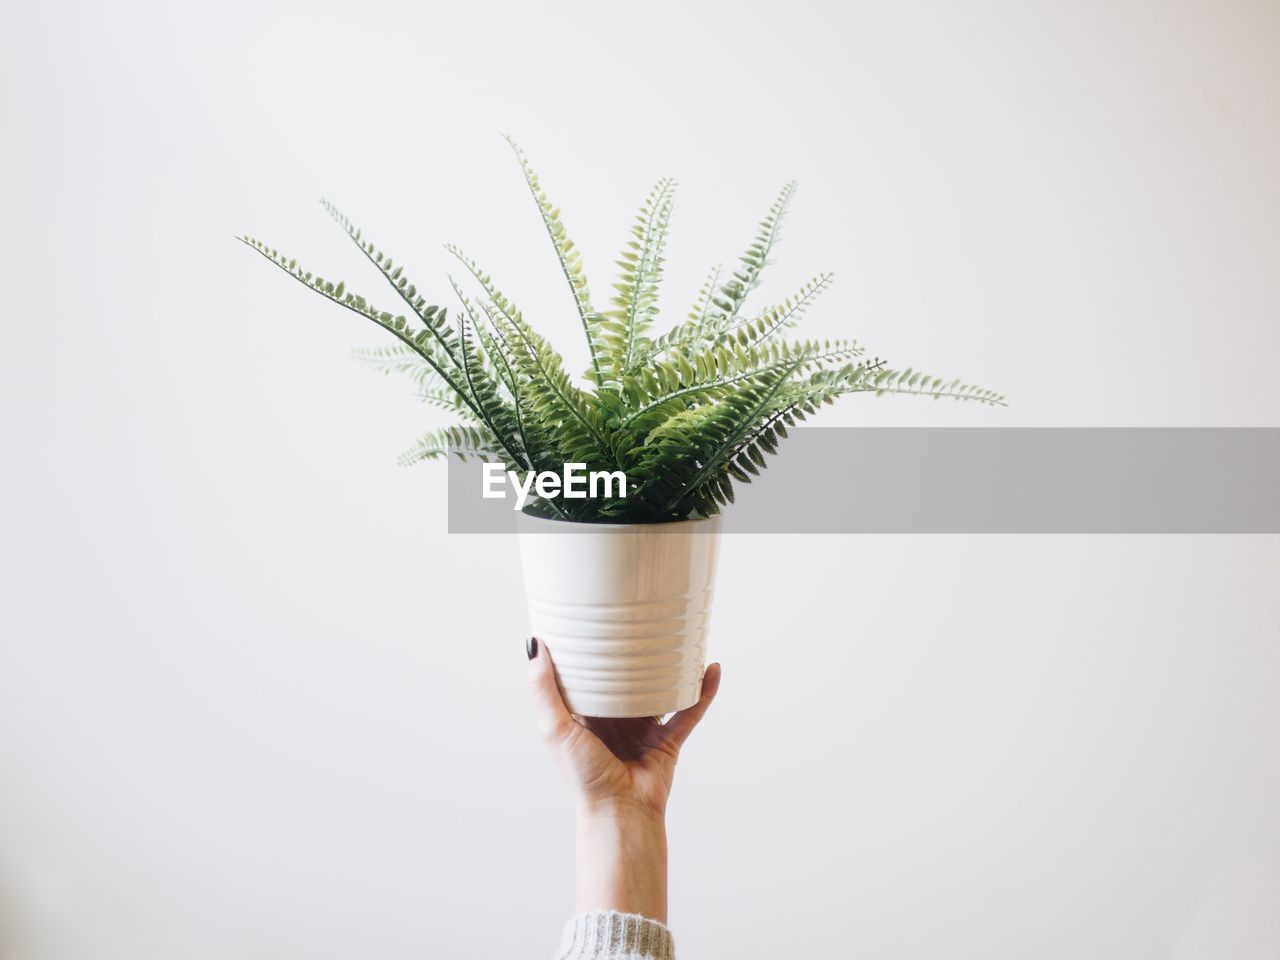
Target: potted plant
{"type": "Point", "coordinates": [681, 416]}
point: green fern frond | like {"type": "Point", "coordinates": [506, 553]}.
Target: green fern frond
{"type": "Point", "coordinates": [432, 318]}
{"type": "Point", "coordinates": [446, 400]}
{"type": "Point", "coordinates": [571, 416]}
{"type": "Point", "coordinates": [733, 294]}
{"type": "Point", "coordinates": [464, 442]}
{"type": "Point", "coordinates": [421, 342]}
{"type": "Point", "coordinates": [397, 358]}
{"type": "Point", "coordinates": [921, 384]}
{"type": "Point", "coordinates": [683, 453]}
{"type": "Point", "coordinates": [697, 328]}
{"type": "Point", "coordinates": [793, 402]}
{"type": "Point", "coordinates": [539, 449]}
{"type": "Point", "coordinates": [491, 356]}
{"type": "Point", "coordinates": [714, 315]}
{"type": "Point", "coordinates": [702, 307]}
{"type": "Point", "coordinates": [635, 302]}
{"type": "Point", "coordinates": [572, 419]}
{"type": "Point", "coordinates": [779, 317]}
{"type": "Point", "coordinates": [570, 260]}
{"type": "Point", "coordinates": [500, 304]}
{"type": "Point", "coordinates": [493, 409]}
{"type": "Point", "coordinates": [717, 369]}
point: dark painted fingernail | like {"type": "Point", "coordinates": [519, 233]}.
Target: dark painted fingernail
{"type": "Point", "coordinates": [531, 647]}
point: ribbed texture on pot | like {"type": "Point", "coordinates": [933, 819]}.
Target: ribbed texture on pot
{"type": "Point", "coordinates": [644, 653]}
{"type": "Point", "coordinates": [626, 613]}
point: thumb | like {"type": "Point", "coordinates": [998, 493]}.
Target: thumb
{"type": "Point", "coordinates": [681, 725]}
{"type": "Point", "coordinates": [553, 717]}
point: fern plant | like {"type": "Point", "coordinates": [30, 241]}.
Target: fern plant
{"type": "Point", "coordinates": [685, 414]}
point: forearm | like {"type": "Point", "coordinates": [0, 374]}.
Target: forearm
{"type": "Point", "coordinates": [622, 862]}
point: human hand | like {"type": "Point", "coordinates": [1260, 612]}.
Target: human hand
{"type": "Point", "coordinates": [613, 764]}
{"type": "Point", "coordinates": [621, 772]}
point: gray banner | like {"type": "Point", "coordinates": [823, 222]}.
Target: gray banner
{"type": "Point", "coordinates": [975, 480]}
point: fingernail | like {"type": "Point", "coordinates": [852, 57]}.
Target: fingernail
{"type": "Point", "coordinates": [531, 647]}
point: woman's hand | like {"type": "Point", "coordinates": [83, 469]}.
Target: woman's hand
{"type": "Point", "coordinates": [621, 773]}
{"type": "Point", "coordinates": [612, 764]}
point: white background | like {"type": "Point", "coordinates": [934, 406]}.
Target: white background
{"type": "Point", "coordinates": [255, 703]}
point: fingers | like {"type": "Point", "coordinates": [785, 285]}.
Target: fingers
{"type": "Point", "coordinates": [554, 719]}
{"type": "Point", "coordinates": [681, 725]}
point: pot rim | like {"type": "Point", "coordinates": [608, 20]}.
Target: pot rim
{"type": "Point", "coordinates": [528, 518]}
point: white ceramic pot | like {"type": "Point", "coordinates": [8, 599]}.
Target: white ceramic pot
{"type": "Point", "coordinates": [625, 609]}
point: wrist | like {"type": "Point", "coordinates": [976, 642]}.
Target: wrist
{"type": "Point", "coordinates": [622, 860]}
{"type": "Point", "coordinates": [620, 811]}
{"type": "Point", "coordinates": [625, 830]}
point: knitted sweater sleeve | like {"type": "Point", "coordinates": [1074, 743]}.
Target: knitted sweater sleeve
{"type": "Point", "coordinates": [610, 935]}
